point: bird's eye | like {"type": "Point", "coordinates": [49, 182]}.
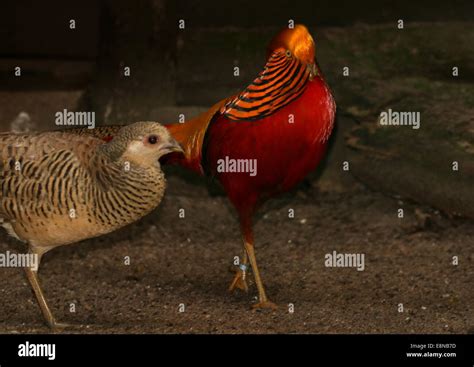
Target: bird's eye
{"type": "Point", "coordinates": [288, 53]}
{"type": "Point", "coordinates": [152, 139]}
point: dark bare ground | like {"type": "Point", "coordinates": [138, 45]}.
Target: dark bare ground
{"type": "Point", "coordinates": [188, 261]}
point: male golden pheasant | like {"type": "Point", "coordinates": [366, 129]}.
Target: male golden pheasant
{"type": "Point", "coordinates": [283, 120]}
{"type": "Point", "coordinates": [58, 188]}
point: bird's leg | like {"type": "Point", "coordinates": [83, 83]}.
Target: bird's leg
{"type": "Point", "coordinates": [247, 231]}
{"type": "Point", "coordinates": [263, 301]}
{"type": "Point", "coordinates": [240, 278]}
{"type": "Point", "coordinates": [32, 275]}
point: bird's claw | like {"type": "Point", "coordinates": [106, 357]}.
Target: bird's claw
{"type": "Point", "coordinates": [58, 326]}
{"type": "Point", "coordinates": [267, 305]}
{"type": "Point", "coordinates": [240, 280]}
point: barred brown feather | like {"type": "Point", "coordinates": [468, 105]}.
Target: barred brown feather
{"type": "Point", "coordinates": [52, 182]}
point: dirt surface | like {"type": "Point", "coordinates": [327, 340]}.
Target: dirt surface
{"type": "Point", "coordinates": [188, 261]}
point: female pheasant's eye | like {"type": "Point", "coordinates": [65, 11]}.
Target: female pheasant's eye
{"type": "Point", "coordinates": [152, 139]}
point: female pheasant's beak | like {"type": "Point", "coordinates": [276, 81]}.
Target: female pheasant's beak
{"type": "Point", "coordinates": [170, 147]}
{"type": "Point", "coordinates": [172, 151]}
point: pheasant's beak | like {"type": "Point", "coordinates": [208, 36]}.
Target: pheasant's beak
{"type": "Point", "coordinates": [171, 146]}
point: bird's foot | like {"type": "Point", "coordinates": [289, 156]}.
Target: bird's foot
{"type": "Point", "coordinates": [240, 279]}
{"type": "Point", "coordinates": [59, 326]}
{"type": "Point", "coordinates": [265, 305]}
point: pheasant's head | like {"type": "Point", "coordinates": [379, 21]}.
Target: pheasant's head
{"type": "Point", "coordinates": [297, 41]}
{"type": "Point", "coordinates": [142, 143]}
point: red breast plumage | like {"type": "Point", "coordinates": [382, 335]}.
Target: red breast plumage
{"type": "Point", "coordinates": [282, 120]}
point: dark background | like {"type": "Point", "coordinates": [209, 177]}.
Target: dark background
{"type": "Point", "coordinates": [168, 64]}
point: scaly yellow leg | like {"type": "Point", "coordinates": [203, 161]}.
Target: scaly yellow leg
{"type": "Point", "coordinates": [263, 301]}
{"type": "Point", "coordinates": [32, 276]}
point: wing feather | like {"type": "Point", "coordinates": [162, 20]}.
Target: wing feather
{"type": "Point", "coordinates": [39, 172]}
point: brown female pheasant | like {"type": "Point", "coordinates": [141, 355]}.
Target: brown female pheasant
{"type": "Point", "coordinates": [58, 188]}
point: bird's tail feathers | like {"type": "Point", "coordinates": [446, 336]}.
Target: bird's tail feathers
{"type": "Point", "coordinates": [190, 135]}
